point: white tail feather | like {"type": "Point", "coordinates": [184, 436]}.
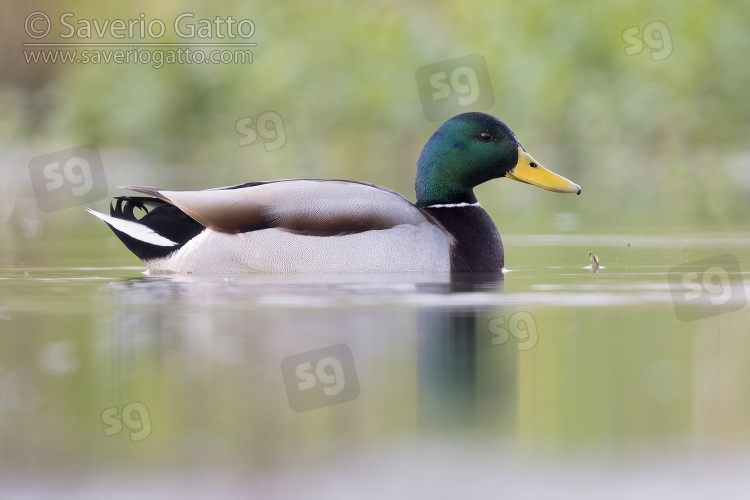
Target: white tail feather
{"type": "Point", "coordinates": [135, 230]}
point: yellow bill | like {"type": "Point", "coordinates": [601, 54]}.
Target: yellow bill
{"type": "Point", "coordinates": [530, 171]}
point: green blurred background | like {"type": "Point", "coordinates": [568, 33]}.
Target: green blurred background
{"type": "Point", "coordinates": [658, 139]}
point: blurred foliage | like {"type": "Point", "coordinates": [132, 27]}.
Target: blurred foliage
{"type": "Point", "coordinates": [656, 144]}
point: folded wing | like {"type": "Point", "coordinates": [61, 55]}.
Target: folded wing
{"type": "Point", "coordinates": [302, 206]}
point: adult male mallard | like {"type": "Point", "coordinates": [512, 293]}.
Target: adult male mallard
{"type": "Point", "coordinates": [338, 226]}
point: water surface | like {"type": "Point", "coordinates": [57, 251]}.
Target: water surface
{"type": "Point", "coordinates": [549, 379]}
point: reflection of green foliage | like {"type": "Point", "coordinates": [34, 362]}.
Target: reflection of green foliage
{"type": "Point", "coordinates": [645, 139]}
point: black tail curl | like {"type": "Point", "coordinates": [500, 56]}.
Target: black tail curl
{"type": "Point", "coordinates": [163, 218]}
{"type": "Point", "coordinates": [125, 205]}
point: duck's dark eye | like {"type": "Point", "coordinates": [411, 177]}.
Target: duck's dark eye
{"type": "Point", "coordinates": [533, 165]}
{"type": "Point", "coordinates": [485, 136]}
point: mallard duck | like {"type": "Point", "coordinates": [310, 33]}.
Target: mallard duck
{"type": "Point", "coordinates": [340, 226]}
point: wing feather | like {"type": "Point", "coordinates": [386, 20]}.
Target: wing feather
{"type": "Point", "coordinates": [303, 206]}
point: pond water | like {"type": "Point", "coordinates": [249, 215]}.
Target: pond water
{"type": "Point", "coordinates": [547, 381]}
